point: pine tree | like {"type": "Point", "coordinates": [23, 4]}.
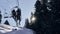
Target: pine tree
{"type": "Point", "coordinates": [35, 26]}
{"type": "Point", "coordinates": [6, 22]}
{"type": "Point", "coordinates": [44, 17]}
{"type": "Point", "coordinates": [47, 17]}
{"type": "Point", "coordinates": [56, 18]}
{"type": "Point", "coordinates": [0, 17]}
{"type": "Point", "coordinates": [26, 23]}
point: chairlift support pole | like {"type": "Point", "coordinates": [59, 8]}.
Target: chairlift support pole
{"type": "Point", "coordinates": [17, 7]}
{"type": "Point", "coordinates": [18, 3]}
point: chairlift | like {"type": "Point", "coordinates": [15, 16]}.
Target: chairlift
{"type": "Point", "coordinates": [16, 14]}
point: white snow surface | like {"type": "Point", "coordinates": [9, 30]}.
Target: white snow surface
{"type": "Point", "coordinates": [6, 29]}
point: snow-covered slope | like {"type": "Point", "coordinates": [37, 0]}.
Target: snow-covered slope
{"type": "Point", "coordinates": [6, 29]}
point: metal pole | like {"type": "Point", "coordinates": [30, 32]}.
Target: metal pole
{"type": "Point", "coordinates": [18, 2]}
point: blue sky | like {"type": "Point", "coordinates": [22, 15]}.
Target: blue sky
{"type": "Point", "coordinates": [26, 6]}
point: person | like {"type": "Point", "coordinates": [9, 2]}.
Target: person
{"type": "Point", "coordinates": [14, 14]}
{"type": "Point", "coordinates": [18, 14]}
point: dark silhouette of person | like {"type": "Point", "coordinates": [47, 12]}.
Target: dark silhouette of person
{"type": "Point", "coordinates": [18, 15]}
{"type": "Point", "coordinates": [14, 14]}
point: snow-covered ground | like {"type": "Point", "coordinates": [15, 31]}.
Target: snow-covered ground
{"type": "Point", "coordinates": [6, 29]}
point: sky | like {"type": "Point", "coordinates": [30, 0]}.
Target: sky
{"type": "Point", "coordinates": [26, 6]}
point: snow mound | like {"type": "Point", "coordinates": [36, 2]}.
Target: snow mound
{"type": "Point", "coordinates": [6, 29]}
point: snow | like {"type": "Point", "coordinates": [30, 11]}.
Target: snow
{"type": "Point", "coordinates": [6, 29]}
{"type": "Point", "coordinates": [11, 21]}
